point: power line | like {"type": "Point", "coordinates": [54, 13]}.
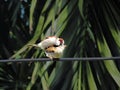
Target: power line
{"type": "Point", "coordinates": [60, 59]}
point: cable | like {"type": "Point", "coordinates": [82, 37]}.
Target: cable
{"type": "Point", "coordinates": [60, 59]}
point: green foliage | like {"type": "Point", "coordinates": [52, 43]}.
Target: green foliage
{"type": "Point", "coordinates": [90, 29]}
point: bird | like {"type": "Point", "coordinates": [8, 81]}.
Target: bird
{"type": "Point", "coordinates": [52, 46]}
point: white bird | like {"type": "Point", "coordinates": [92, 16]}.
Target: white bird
{"type": "Point", "coordinates": [53, 46]}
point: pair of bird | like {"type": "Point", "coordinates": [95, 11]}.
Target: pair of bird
{"type": "Point", "coordinates": [53, 46]}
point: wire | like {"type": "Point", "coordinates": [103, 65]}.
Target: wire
{"type": "Point", "coordinates": [60, 59]}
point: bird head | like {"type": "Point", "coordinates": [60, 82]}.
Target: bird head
{"type": "Point", "coordinates": [61, 41]}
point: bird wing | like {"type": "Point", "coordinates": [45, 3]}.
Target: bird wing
{"type": "Point", "coordinates": [48, 42]}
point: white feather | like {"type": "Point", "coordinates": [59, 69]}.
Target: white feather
{"type": "Point", "coordinates": [48, 42]}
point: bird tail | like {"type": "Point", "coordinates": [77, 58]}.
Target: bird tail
{"type": "Point", "coordinates": [34, 45]}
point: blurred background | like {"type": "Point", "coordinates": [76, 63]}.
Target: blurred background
{"type": "Point", "coordinates": [90, 28]}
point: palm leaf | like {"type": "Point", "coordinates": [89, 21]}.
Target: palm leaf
{"type": "Point", "coordinates": [90, 29]}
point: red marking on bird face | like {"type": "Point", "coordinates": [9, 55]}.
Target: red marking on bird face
{"type": "Point", "coordinates": [61, 41]}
